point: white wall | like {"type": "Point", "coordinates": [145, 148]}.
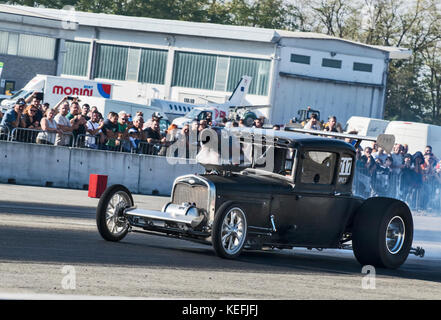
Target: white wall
{"type": "Point", "coordinates": [34, 164]}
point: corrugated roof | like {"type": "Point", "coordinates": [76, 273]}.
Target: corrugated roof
{"type": "Point", "coordinates": [178, 27]}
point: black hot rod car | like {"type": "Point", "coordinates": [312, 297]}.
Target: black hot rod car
{"type": "Point", "coordinates": [305, 200]}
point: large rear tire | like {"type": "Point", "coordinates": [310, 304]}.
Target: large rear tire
{"type": "Point", "coordinates": [383, 232]}
{"type": "Point", "coordinates": [112, 224]}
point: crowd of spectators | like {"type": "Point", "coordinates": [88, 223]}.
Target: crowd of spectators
{"type": "Point", "coordinates": [70, 124]}
{"type": "Point", "coordinates": [414, 178]}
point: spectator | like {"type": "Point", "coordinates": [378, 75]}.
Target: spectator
{"type": "Point", "coordinates": [49, 127]}
{"type": "Point", "coordinates": [242, 123]}
{"type": "Point", "coordinates": [45, 106]}
{"type": "Point", "coordinates": [331, 125]}
{"type": "Point", "coordinates": [428, 171]}
{"type": "Point", "coordinates": [29, 121]}
{"type": "Point", "coordinates": [94, 136]}
{"type": "Point", "coordinates": [34, 101]}
{"type": "Point", "coordinates": [397, 159]}
{"type": "Point", "coordinates": [368, 161]}
{"type": "Point", "coordinates": [194, 125]}
{"type": "Point", "coordinates": [110, 130]}
{"type": "Point", "coordinates": [63, 139]}
{"type": "Point", "coordinates": [129, 120]}
{"type": "Point", "coordinates": [351, 141]}
{"type": "Point", "coordinates": [12, 117]}
{"type": "Point", "coordinates": [418, 160]}
{"type": "Point", "coordinates": [77, 121]}
{"type": "Point", "coordinates": [258, 123]}
{"type": "Point", "coordinates": [404, 150]}
{"type": "Point", "coordinates": [202, 125]}
{"type": "Point", "coordinates": [153, 133]}
{"type": "Point", "coordinates": [380, 154]}
{"type": "Point", "coordinates": [137, 135]}
{"type": "Point", "coordinates": [313, 123]}
{"type": "Point", "coordinates": [381, 177]}
{"type": "Point", "coordinates": [407, 178]}
{"type": "Point", "coordinates": [85, 111]}
{"type": "Point", "coordinates": [123, 132]}
{"type": "Point", "coordinates": [428, 150]}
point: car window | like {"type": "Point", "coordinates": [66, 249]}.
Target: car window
{"type": "Point", "coordinates": [318, 167]}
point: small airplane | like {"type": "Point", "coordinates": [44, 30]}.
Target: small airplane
{"type": "Point", "coordinates": [182, 113]}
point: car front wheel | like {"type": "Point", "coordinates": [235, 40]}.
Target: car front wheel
{"type": "Point", "coordinates": [229, 232]}
{"type": "Point", "coordinates": [111, 222]}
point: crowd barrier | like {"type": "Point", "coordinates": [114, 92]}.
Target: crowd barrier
{"type": "Point", "coordinates": [421, 192]}
{"type": "Point", "coordinates": [69, 167]}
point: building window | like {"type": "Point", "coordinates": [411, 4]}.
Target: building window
{"type": "Point", "coordinates": [331, 63]}
{"type": "Point", "coordinates": [13, 43]}
{"type": "Point", "coordinates": [36, 47]}
{"type": "Point", "coordinates": [152, 66]}
{"type": "Point", "coordinates": [26, 45]}
{"type": "Point", "coordinates": [365, 67]}
{"type": "Point", "coordinates": [258, 69]}
{"type": "Point", "coordinates": [4, 42]}
{"type": "Point", "coordinates": [222, 73]}
{"type": "Point", "coordinates": [76, 58]}
{"type": "Point", "coordinates": [298, 58]}
{"type": "Point", "coordinates": [111, 62]}
{"type": "Point", "coordinates": [194, 70]}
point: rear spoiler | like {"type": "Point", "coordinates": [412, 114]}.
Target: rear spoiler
{"type": "Point", "coordinates": [386, 141]}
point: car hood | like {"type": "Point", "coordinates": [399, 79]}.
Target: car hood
{"type": "Point", "coordinates": [181, 121]}
{"type": "Point", "coordinates": [250, 183]}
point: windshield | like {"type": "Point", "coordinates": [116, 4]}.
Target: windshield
{"type": "Point", "coordinates": [21, 94]}
{"type": "Point", "coordinates": [193, 114]}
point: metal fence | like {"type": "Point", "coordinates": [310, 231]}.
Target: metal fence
{"type": "Point", "coordinates": [31, 136]}
{"type": "Point", "coordinates": [4, 133]}
{"type": "Point", "coordinates": [419, 191]}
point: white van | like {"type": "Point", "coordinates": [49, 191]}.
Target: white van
{"type": "Point", "coordinates": [55, 88]}
{"type": "Point", "coordinates": [370, 127]}
{"type": "Point", "coordinates": [416, 135]}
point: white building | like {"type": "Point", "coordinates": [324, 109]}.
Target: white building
{"type": "Point", "coordinates": [192, 62]}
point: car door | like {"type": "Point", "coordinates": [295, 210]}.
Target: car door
{"type": "Point", "coordinates": [313, 213]}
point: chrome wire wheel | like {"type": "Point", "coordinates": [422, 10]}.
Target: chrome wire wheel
{"type": "Point", "coordinates": [395, 235]}
{"type": "Point", "coordinates": [233, 231]}
{"type": "Point", "coordinates": [115, 221]}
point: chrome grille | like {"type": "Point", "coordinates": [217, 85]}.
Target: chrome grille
{"type": "Point", "coordinates": [185, 192]}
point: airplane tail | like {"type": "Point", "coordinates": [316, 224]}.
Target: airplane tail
{"type": "Point", "coordinates": [240, 91]}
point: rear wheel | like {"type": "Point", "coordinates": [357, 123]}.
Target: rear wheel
{"type": "Point", "coordinates": [383, 233]}
{"type": "Point", "coordinates": [229, 232]}
{"type": "Point", "coordinates": [110, 220]}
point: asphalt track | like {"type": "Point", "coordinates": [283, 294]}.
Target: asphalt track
{"type": "Point", "coordinates": [50, 248]}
